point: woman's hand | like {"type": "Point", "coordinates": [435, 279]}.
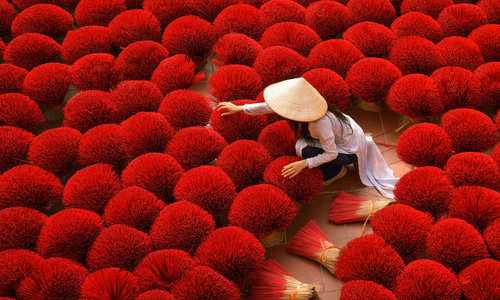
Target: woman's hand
{"type": "Point", "coordinates": [291, 170]}
{"type": "Point", "coordinates": [230, 108]}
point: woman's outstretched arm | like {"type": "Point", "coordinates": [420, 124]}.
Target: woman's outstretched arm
{"type": "Point", "coordinates": [260, 108]}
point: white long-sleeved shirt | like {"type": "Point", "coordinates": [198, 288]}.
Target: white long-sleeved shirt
{"type": "Point", "coordinates": [333, 137]}
{"type": "Point", "coordinates": [324, 131]}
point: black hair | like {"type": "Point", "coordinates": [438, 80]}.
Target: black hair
{"type": "Point", "coordinates": [301, 129]}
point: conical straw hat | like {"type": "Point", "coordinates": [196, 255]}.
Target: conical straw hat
{"type": "Point", "coordinates": [296, 100]}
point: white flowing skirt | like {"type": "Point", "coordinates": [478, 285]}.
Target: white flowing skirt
{"type": "Point", "coordinates": [373, 169]}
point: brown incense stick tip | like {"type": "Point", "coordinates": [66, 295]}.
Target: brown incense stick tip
{"type": "Point", "coordinates": [369, 208]}
{"type": "Point", "coordinates": [272, 281]}
{"type": "Point", "coordinates": [297, 290]}
{"type": "Point", "coordinates": [273, 239]}
{"type": "Point", "coordinates": [370, 106]}
{"type": "Point", "coordinates": [328, 256]}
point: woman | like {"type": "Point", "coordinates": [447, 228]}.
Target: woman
{"type": "Point", "coordinates": [328, 139]}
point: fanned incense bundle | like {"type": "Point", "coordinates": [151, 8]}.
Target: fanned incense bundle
{"type": "Point", "coordinates": [273, 282]}
{"type": "Point", "coordinates": [311, 242]}
{"type": "Point", "coordinates": [347, 208]}
{"type": "Point", "coordinates": [367, 257]}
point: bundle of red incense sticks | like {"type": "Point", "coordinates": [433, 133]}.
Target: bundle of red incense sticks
{"type": "Point", "coordinates": [347, 208]}
{"type": "Point", "coordinates": [273, 282]}
{"type": "Point", "coordinates": [367, 257]}
{"type": "Point", "coordinates": [311, 242]}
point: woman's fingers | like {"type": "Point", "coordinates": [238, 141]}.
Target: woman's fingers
{"type": "Point", "coordinates": [291, 174]}
{"type": "Point", "coordinates": [292, 170]}
{"type": "Point", "coordinates": [221, 105]}
{"type": "Point", "coordinates": [288, 167]}
{"type": "Point", "coordinates": [227, 113]}
{"type": "Point", "coordinates": [228, 107]}
{"type": "Point", "coordinates": [288, 171]}
{"type": "Point", "coordinates": [224, 105]}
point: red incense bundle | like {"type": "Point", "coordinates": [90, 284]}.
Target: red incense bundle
{"type": "Point", "coordinates": [273, 282]}
{"type": "Point", "coordinates": [368, 257]}
{"type": "Point", "coordinates": [347, 208]}
{"type": "Point", "coordinates": [312, 243]}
